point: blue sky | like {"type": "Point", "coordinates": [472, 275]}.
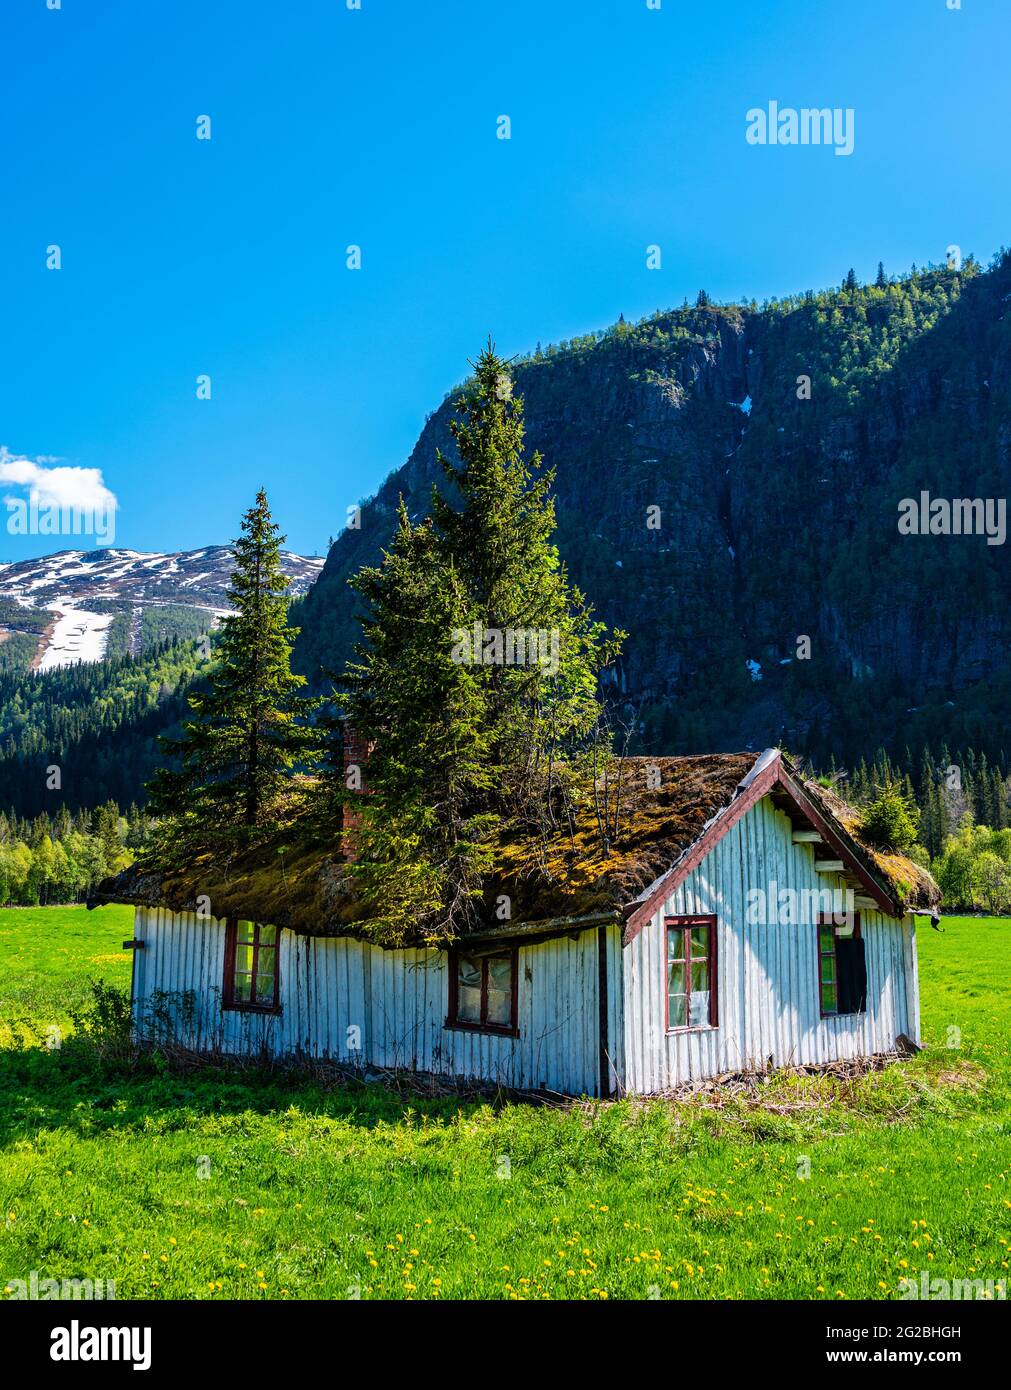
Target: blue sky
{"type": "Point", "coordinates": [377, 127]}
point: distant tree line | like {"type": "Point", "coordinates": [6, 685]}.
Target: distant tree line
{"type": "Point", "coordinates": [82, 735]}
{"type": "Point", "coordinates": [953, 816]}
{"type": "Point", "coordinates": [945, 787]}
{"type": "Point", "coordinates": [60, 858]}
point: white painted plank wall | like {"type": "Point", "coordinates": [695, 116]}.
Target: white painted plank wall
{"type": "Point", "coordinates": [767, 975]}
{"type": "Point", "coordinates": [397, 1000]}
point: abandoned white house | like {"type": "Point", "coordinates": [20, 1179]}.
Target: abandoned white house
{"type": "Point", "coordinates": [737, 919]}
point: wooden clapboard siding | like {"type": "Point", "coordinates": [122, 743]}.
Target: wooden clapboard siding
{"type": "Point", "coordinates": [394, 1003]}
{"type": "Point", "coordinates": [767, 976]}
{"type": "Point", "coordinates": [351, 1002]}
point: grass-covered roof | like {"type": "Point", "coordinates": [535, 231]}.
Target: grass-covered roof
{"type": "Point", "coordinates": [657, 809]}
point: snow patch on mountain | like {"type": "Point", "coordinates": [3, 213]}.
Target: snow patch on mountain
{"type": "Point", "coordinates": [77, 583]}
{"type": "Point", "coordinates": [78, 636]}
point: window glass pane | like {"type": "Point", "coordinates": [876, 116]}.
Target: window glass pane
{"type": "Point", "coordinates": [700, 942]}
{"type": "Point", "coordinates": [676, 978]}
{"type": "Point", "coordinates": [468, 971]}
{"type": "Point", "coordinates": [700, 975]}
{"type": "Point", "coordinates": [500, 990]}
{"type": "Point", "coordinates": [468, 990]}
{"type": "Point", "coordinates": [677, 1010]}
{"type": "Point", "coordinates": [244, 931]}
{"type": "Point", "coordinates": [268, 935]}
{"type": "Point", "coordinates": [826, 939]}
{"type": "Point", "coordinates": [500, 973]}
{"type": "Point", "coordinates": [242, 988]}
{"type": "Point", "coordinates": [828, 970]}
{"type": "Point", "coordinates": [265, 989]}
{"type": "Point", "coordinates": [266, 962]}
{"type": "Point", "coordinates": [828, 998]}
{"type": "Point", "coordinates": [244, 958]}
{"type": "Point", "coordinates": [468, 1004]}
{"type": "Point", "coordinates": [699, 1008]}
{"type": "Point", "coordinates": [500, 1006]}
{"type": "Point", "coordinates": [675, 943]}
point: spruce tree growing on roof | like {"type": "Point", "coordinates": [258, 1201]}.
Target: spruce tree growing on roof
{"type": "Point", "coordinates": [497, 525]}
{"type": "Point", "coordinates": [470, 723]}
{"type": "Point", "coordinates": [421, 826]}
{"type": "Point", "coordinates": [236, 756]}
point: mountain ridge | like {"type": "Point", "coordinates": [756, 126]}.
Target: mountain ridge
{"type": "Point", "coordinates": [117, 600]}
{"type": "Point", "coordinates": [779, 513]}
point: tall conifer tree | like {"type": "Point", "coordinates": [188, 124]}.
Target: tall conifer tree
{"type": "Point", "coordinates": [249, 728]}
{"type": "Point", "coordinates": [466, 731]}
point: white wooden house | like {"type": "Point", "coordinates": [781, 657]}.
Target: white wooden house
{"type": "Point", "coordinates": [737, 921]}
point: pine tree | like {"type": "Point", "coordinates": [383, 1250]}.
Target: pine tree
{"type": "Point", "coordinates": [882, 280]}
{"type": "Point", "coordinates": [105, 825]}
{"type": "Point", "coordinates": [470, 724]}
{"type": "Point", "coordinates": [418, 851]}
{"type": "Point", "coordinates": [850, 283]}
{"type": "Point", "coordinates": [236, 755]}
{"type": "Point", "coordinates": [500, 543]}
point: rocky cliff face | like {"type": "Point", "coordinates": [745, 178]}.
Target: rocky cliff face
{"type": "Point", "coordinates": [777, 521]}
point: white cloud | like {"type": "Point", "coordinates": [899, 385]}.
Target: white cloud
{"type": "Point", "coordinates": [82, 489]}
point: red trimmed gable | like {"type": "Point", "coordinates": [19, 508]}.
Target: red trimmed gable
{"type": "Point", "coordinates": [768, 777]}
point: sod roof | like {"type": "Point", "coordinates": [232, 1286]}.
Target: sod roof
{"type": "Point", "coordinates": [665, 810]}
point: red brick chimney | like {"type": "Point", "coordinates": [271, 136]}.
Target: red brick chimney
{"type": "Point", "coordinates": [354, 756]}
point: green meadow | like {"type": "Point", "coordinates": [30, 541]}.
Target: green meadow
{"type": "Point", "coordinates": [206, 1182]}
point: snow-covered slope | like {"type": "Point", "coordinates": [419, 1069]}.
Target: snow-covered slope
{"type": "Point", "coordinates": [198, 577]}
{"type": "Point", "coordinates": [77, 636]}
{"type": "Point", "coordinates": [84, 589]}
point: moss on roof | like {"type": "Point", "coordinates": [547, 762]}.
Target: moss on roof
{"type": "Point", "coordinates": [908, 882]}
{"type": "Point", "coordinates": [301, 881]}
{"type": "Point", "coordinates": [663, 807]}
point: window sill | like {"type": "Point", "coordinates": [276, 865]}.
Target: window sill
{"type": "Point", "coordinates": [489, 1029]}
{"type": "Point", "coordinates": [274, 1009]}
{"type": "Point", "coordinates": [701, 1028]}
{"type": "Point", "coordinates": [853, 1013]}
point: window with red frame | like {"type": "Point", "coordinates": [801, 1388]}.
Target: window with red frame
{"type": "Point", "coordinates": [252, 980]}
{"type": "Point", "coordinates": [842, 969]}
{"type": "Point", "coordinates": [691, 972]}
{"type": "Point", "coordinates": [482, 991]}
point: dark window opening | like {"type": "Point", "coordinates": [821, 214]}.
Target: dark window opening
{"type": "Point", "coordinates": [842, 970]}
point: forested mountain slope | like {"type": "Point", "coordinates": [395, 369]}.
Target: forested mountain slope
{"type": "Point", "coordinates": [778, 510]}
{"type": "Point", "coordinates": [777, 521]}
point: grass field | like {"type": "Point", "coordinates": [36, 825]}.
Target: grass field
{"type": "Point", "coordinates": [47, 955]}
{"type": "Point", "coordinates": [222, 1184]}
